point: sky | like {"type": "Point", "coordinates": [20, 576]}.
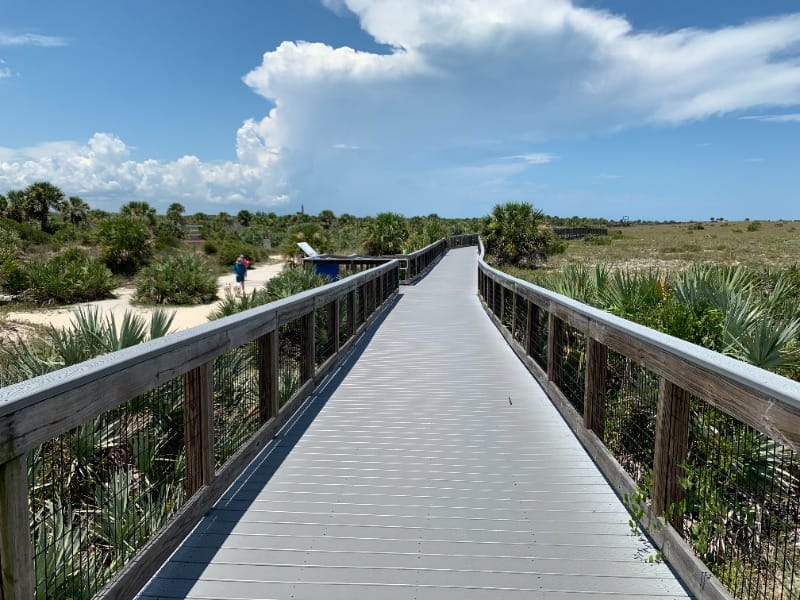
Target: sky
{"type": "Point", "coordinates": [679, 110]}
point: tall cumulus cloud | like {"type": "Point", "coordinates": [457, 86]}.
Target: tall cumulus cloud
{"type": "Point", "coordinates": [460, 86]}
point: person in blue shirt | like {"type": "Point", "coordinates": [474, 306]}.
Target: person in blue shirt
{"type": "Point", "coordinates": [240, 269]}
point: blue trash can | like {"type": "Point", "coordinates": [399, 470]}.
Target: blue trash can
{"type": "Point", "coordinates": [330, 270]}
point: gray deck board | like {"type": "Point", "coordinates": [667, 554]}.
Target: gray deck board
{"type": "Point", "coordinates": [413, 476]}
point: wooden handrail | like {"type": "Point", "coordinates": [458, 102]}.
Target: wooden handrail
{"type": "Point", "coordinates": [766, 401]}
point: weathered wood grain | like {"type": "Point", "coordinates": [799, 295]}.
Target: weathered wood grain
{"type": "Point", "coordinates": [594, 403]}
{"type": "Point", "coordinates": [671, 445]}
{"type": "Point", "coordinates": [16, 555]}
{"type": "Point", "coordinates": [198, 427]}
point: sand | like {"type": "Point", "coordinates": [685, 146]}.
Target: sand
{"type": "Point", "coordinates": [185, 316]}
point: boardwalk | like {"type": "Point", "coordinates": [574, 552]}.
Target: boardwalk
{"type": "Point", "coordinates": [432, 466]}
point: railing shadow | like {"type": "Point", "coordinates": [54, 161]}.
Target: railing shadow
{"type": "Point", "coordinates": [200, 547]}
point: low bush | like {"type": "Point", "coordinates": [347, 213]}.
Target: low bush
{"type": "Point", "coordinates": [597, 240]}
{"type": "Point", "coordinates": [26, 233]}
{"type": "Point", "coordinates": [178, 279]}
{"type": "Point", "coordinates": [126, 243]}
{"type": "Point", "coordinates": [72, 276]}
{"type": "Point", "coordinates": [287, 283]}
{"type": "Point", "coordinates": [754, 226]}
{"type": "Point", "coordinates": [232, 248]}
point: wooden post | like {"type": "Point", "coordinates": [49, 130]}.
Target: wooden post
{"type": "Point", "coordinates": [594, 398]}
{"type": "Point", "coordinates": [671, 445]}
{"type": "Point", "coordinates": [555, 349]}
{"type": "Point", "coordinates": [307, 327]}
{"type": "Point", "coordinates": [197, 427]}
{"type": "Point", "coordinates": [268, 369]}
{"type": "Point", "coordinates": [333, 326]}
{"type": "Point", "coordinates": [16, 553]}
{"type": "Point", "coordinates": [502, 311]}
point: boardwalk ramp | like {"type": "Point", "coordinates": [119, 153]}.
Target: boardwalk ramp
{"type": "Point", "coordinates": [431, 465]}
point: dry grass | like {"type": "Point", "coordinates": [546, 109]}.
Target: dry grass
{"type": "Point", "coordinates": [773, 244]}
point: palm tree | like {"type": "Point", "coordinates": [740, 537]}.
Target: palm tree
{"type": "Point", "coordinates": [139, 209]}
{"type": "Point", "coordinates": [244, 217]}
{"type": "Point", "coordinates": [40, 197]}
{"type": "Point", "coordinates": [326, 218]}
{"type": "Point", "coordinates": [516, 234]}
{"type": "Point", "coordinates": [76, 211]}
{"type": "Point", "coordinates": [386, 234]}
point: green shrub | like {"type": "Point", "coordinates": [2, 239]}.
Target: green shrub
{"type": "Point", "coordinates": [230, 249]}
{"type": "Point", "coordinates": [72, 276]}
{"type": "Point", "coordinates": [13, 278]}
{"type": "Point", "coordinates": [386, 234]}
{"type": "Point", "coordinates": [597, 240]}
{"type": "Point", "coordinates": [179, 279]}
{"type": "Point", "coordinates": [125, 243]}
{"type": "Point", "coordinates": [287, 283]}
{"type": "Point", "coordinates": [25, 232]}
{"type": "Point", "coordinates": [754, 226]}
{"type": "Point", "coordinates": [210, 247]}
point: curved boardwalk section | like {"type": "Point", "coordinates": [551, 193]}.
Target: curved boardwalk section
{"type": "Point", "coordinates": [431, 467]}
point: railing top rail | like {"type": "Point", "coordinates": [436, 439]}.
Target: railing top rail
{"type": "Point", "coordinates": [779, 394]}
{"type": "Point", "coordinates": [126, 373]}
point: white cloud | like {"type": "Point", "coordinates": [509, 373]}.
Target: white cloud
{"type": "Point", "coordinates": [102, 172]}
{"type": "Point", "coordinates": [785, 118]}
{"type": "Point", "coordinates": [534, 158]}
{"type": "Point", "coordinates": [4, 70]}
{"type": "Point", "coordinates": [453, 75]}
{"type": "Point", "coordinates": [346, 147]}
{"type": "Point", "coordinates": [31, 39]}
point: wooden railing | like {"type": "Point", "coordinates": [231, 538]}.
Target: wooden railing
{"type": "Point", "coordinates": [701, 446]}
{"type": "Point", "coordinates": [218, 393]}
{"type": "Point", "coordinates": [412, 266]}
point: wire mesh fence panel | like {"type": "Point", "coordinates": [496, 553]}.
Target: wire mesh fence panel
{"type": "Point", "coordinates": [289, 361]}
{"type": "Point", "coordinates": [573, 367]}
{"type": "Point", "coordinates": [360, 308]}
{"type": "Point", "coordinates": [236, 400]}
{"type": "Point", "coordinates": [539, 335]}
{"type": "Point", "coordinates": [344, 322]}
{"type": "Point", "coordinates": [741, 507]}
{"type": "Point", "coordinates": [99, 492]}
{"type": "Point", "coordinates": [520, 322]}
{"type": "Point", "coordinates": [508, 308]}
{"type": "Point", "coordinates": [630, 416]}
{"type": "Point", "coordinates": [496, 298]}
{"type": "Point", "coordinates": [325, 342]}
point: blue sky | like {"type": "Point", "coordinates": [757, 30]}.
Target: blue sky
{"type": "Point", "coordinates": [654, 110]}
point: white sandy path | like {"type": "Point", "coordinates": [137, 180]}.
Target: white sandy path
{"type": "Point", "coordinates": [185, 316]}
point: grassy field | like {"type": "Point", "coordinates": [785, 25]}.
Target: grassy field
{"type": "Point", "coordinates": [757, 244]}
